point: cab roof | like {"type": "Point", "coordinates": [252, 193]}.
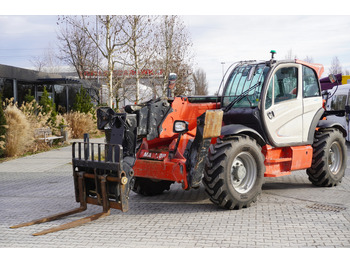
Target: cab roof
{"type": "Point", "coordinates": [317, 67]}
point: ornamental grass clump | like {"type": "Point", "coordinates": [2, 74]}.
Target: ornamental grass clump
{"type": "Point", "coordinates": [80, 123]}
{"type": "Point", "coordinates": [3, 128]}
{"type": "Point", "coordinates": [19, 135]}
{"type": "Point", "coordinates": [35, 115]}
{"type": "Point", "coordinates": [38, 118]}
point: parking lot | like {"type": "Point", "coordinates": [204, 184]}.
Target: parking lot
{"type": "Point", "coordinates": [290, 212]}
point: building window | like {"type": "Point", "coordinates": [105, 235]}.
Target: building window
{"type": "Point", "coordinates": [7, 89]}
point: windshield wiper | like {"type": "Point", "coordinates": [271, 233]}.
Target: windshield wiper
{"type": "Point", "coordinates": [241, 96]}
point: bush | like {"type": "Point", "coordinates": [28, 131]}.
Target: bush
{"type": "Point", "coordinates": [3, 127]}
{"type": "Point", "coordinates": [19, 136]}
{"type": "Point", "coordinates": [29, 97]}
{"type": "Point", "coordinates": [48, 107]}
{"type": "Point", "coordinates": [82, 102]}
{"type": "Point", "coordinates": [46, 102]}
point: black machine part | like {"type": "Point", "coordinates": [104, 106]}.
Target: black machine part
{"type": "Point", "coordinates": [197, 153]}
{"type": "Point", "coordinates": [120, 129]}
{"type": "Point", "coordinates": [150, 116]}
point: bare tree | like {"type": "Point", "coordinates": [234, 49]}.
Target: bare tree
{"type": "Point", "coordinates": [308, 59]}
{"type": "Point", "coordinates": [174, 53]}
{"type": "Point", "coordinates": [335, 67]}
{"type": "Point", "coordinates": [200, 82]}
{"type": "Point", "coordinates": [140, 47]}
{"type": "Point", "coordinates": [48, 62]}
{"type": "Point", "coordinates": [38, 62]}
{"type": "Point", "coordinates": [76, 48]}
{"type": "Point", "coordinates": [135, 43]}
{"type": "Point", "coordinates": [108, 38]}
{"type": "Point", "coordinates": [290, 55]}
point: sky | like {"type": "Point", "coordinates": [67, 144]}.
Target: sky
{"type": "Point", "coordinates": [222, 32]}
{"type": "Point", "coordinates": [227, 39]}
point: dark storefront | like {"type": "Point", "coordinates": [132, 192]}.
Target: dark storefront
{"type": "Point", "coordinates": [18, 82]}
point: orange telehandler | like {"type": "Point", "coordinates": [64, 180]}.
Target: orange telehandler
{"type": "Point", "coordinates": [268, 121]}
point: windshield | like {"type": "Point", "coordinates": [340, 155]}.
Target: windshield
{"type": "Point", "coordinates": [245, 80]}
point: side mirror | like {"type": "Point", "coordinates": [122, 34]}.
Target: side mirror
{"type": "Point", "coordinates": [180, 127]}
{"type": "Point", "coordinates": [172, 79]}
{"type": "Point", "coordinates": [332, 78]}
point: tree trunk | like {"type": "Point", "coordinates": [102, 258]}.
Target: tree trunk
{"type": "Point", "coordinates": [137, 76]}
{"type": "Point", "coordinates": [110, 82]}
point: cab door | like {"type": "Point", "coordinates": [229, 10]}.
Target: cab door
{"type": "Point", "coordinates": [312, 100]}
{"type": "Point", "coordinates": [283, 107]}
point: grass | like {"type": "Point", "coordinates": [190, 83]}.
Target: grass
{"type": "Point", "coordinates": [19, 135]}
{"type": "Point", "coordinates": [80, 123]}
{"type": "Point", "coordinates": [22, 121]}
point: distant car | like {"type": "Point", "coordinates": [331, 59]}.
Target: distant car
{"type": "Point", "coordinates": [339, 100]}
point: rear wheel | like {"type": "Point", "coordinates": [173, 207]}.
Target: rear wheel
{"type": "Point", "coordinates": [329, 158]}
{"type": "Point", "coordinates": [234, 172]}
{"type": "Point", "coordinates": [150, 187]}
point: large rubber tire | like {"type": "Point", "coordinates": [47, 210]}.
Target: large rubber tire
{"type": "Point", "coordinates": [149, 187]}
{"type": "Point", "coordinates": [329, 158]}
{"type": "Point", "coordinates": [234, 172]}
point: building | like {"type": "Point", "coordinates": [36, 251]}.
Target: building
{"type": "Point", "coordinates": [18, 82]}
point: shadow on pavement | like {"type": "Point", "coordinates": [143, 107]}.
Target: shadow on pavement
{"type": "Point", "coordinates": [286, 186]}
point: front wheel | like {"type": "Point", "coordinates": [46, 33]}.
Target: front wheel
{"type": "Point", "coordinates": [234, 172]}
{"type": "Point", "coordinates": [329, 158]}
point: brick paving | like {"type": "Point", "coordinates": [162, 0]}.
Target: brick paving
{"type": "Point", "coordinates": [290, 212]}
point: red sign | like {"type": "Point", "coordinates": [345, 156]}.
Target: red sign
{"type": "Point", "coordinates": [144, 72]}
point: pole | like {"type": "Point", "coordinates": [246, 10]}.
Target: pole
{"type": "Point", "coordinates": [223, 68]}
{"type": "Point", "coordinates": [98, 71]}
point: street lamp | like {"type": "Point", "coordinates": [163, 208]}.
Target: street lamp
{"type": "Point", "coordinates": [223, 68]}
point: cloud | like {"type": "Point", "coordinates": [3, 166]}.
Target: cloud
{"type": "Point", "coordinates": [15, 27]}
{"type": "Point", "coordinates": [24, 37]}
{"type": "Point", "coordinates": [232, 38]}
{"type": "Point", "coordinates": [216, 39]}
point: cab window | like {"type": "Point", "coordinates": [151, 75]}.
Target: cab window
{"type": "Point", "coordinates": [244, 84]}
{"type": "Point", "coordinates": [283, 86]}
{"type": "Point", "coordinates": [310, 83]}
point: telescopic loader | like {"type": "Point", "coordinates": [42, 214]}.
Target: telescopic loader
{"type": "Point", "coordinates": [269, 121]}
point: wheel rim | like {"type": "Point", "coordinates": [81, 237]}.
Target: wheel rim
{"type": "Point", "coordinates": [335, 158]}
{"type": "Point", "coordinates": [243, 172]}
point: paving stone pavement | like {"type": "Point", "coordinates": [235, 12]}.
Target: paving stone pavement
{"type": "Point", "coordinates": [290, 212]}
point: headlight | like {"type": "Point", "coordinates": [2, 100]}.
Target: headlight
{"type": "Point", "coordinates": [180, 126]}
